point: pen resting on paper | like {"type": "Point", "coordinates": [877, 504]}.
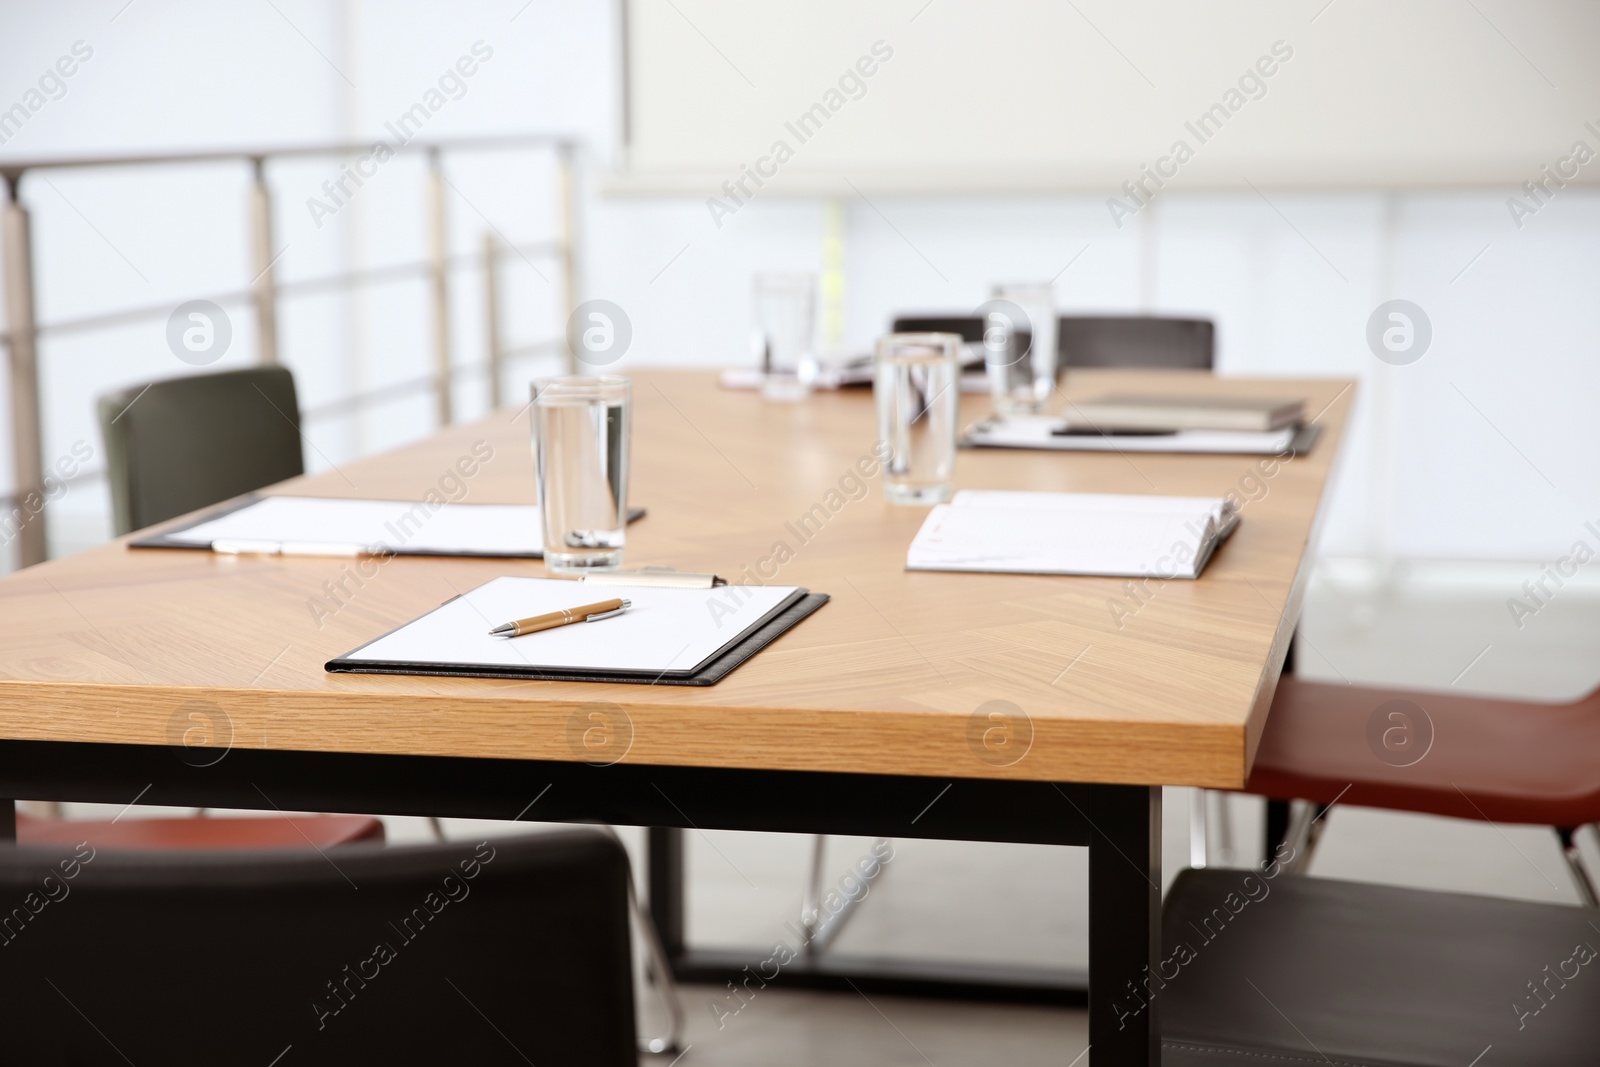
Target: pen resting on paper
{"type": "Point", "coordinates": [605, 609]}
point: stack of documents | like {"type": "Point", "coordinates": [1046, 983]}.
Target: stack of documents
{"type": "Point", "coordinates": [1072, 533]}
{"type": "Point", "coordinates": [1147, 411]}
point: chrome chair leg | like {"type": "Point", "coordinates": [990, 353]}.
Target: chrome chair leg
{"type": "Point", "coordinates": [669, 1043]}
{"type": "Point", "coordinates": [1305, 828]}
{"type": "Point", "coordinates": [811, 892]}
{"type": "Point", "coordinates": [820, 930]}
{"type": "Point", "coordinates": [829, 927]}
{"type": "Point", "coordinates": [1225, 850]}
{"type": "Point", "coordinates": [1197, 829]}
{"type": "Point", "coordinates": [1580, 875]}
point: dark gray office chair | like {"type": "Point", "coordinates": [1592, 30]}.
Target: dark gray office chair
{"type": "Point", "coordinates": [509, 952]}
{"type": "Point", "coordinates": [968, 327]}
{"type": "Point", "coordinates": [180, 444]}
{"type": "Point", "coordinates": [1144, 341]}
{"type": "Point", "coordinates": [1290, 970]}
{"type": "Point", "coordinates": [1127, 341]}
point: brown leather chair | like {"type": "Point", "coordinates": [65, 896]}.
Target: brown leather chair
{"type": "Point", "coordinates": [185, 834]}
{"type": "Point", "coordinates": [1465, 757]}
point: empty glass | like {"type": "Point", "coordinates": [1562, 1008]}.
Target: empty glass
{"type": "Point", "coordinates": [581, 431]}
{"type": "Point", "coordinates": [1019, 347]}
{"type": "Point", "coordinates": [917, 386]}
{"type": "Point", "coordinates": [784, 307]}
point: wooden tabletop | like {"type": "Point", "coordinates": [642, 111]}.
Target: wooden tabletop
{"type": "Point", "coordinates": [1165, 684]}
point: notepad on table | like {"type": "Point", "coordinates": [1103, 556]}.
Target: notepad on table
{"type": "Point", "coordinates": [667, 635]}
{"type": "Point", "coordinates": [1099, 534]}
{"type": "Point", "coordinates": [304, 525]}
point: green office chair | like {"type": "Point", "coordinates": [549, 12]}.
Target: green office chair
{"type": "Point", "coordinates": [181, 444]}
{"type": "Point", "coordinates": [174, 446]}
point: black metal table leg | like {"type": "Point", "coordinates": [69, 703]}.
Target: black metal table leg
{"type": "Point", "coordinates": [664, 864]}
{"type": "Point", "coordinates": [1125, 926]}
{"type": "Point", "coordinates": [1276, 829]}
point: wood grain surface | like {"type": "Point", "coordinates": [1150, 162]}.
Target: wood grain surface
{"type": "Point", "coordinates": [1095, 680]}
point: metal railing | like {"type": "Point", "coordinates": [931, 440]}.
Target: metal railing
{"type": "Point", "coordinates": [23, 330]}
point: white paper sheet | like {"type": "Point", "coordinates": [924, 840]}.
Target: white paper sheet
{"type": "Point", "coordinates": [1035, 431]}
{"type": "Point", "coordinates": [1070, 533]}
{"type": "Point", "coordinates": [395, 525]}
{"type": "Point", "coordinates": [665, 629]}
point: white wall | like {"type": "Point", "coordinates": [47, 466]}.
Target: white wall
{"type": "Point", "coordinates": [1486, 448]}
{"type": "Point", "coordinates": [1040, 95]}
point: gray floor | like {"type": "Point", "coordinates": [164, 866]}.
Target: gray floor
{"type": "Point", "coordinates": [1422, 627]}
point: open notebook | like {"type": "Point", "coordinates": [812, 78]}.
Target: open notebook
{"type": "Point", "coordinates": [669, 636]}
{"type": "Point", "coordinates": [306, 525]}
{"type": "Point", "coordinates": [1072, 533]}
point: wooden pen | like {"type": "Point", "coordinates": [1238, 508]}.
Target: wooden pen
{"type": "Point", "coordinates": [605, 609]}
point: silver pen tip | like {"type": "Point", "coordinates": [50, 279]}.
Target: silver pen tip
{"type": "Point", "coordinates": [503, 628]}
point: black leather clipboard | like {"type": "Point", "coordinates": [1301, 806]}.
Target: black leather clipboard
{"type": "Point", "coordinates": [165, 539]}
{"type": "Point", "coordinates": [1299, 445]}
{"type": "Point", "coordinates": [773, 625]}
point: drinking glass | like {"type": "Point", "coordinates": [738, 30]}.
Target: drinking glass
{"type": "Point", "coordinates": [785, 309]}
{"type": "Point", "coordinates": [581, 431]}
{"type": "Point", "coordinates": [917, 386]}
{"type": "Point", "coordinates": [1019, 347]}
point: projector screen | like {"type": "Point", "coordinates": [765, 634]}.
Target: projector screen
{"type": "Point", "coordinates": [1112, 96]}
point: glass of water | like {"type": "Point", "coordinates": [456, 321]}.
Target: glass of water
{"type": "Point", "coordinates": [581, 431]}
{"type": "Point", "coordinates": [917, 386]}
{"type": "Point", "coordinates": [784, 336]}
{"type": "Point", "coordinates": [1019, 347]}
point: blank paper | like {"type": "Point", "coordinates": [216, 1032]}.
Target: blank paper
{"type": "Point", "coordinates": [665, 630]}
{"type": "Point", "coordinates": [402, 526]}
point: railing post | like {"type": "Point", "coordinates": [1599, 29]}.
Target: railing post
{"type": "Point", "coordinates": [439, 276]}
{"type": "Point", "coordinates": [27, 450]}
{"type": "Point", "coordinates": [262, 261]}
{"type": "Point", "coordinates": [567, 220]}
{"type": "Point", "coordinates": [491, 316]}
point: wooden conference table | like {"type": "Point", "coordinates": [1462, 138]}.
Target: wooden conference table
{"type": "Point", "coordinates": [956, 706]}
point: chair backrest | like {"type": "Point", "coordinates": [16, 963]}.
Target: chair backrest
{"type": "Point", "coordinates": [969, 327]}
{"type": "Point", "coordinates": [184, 443]}
{"type": "Point", "coordinates": [509, 952]}
{"type": "Point", "coordinates": [1136, 341]}
{"type": "Point", "coordinates": [1099, 340]}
